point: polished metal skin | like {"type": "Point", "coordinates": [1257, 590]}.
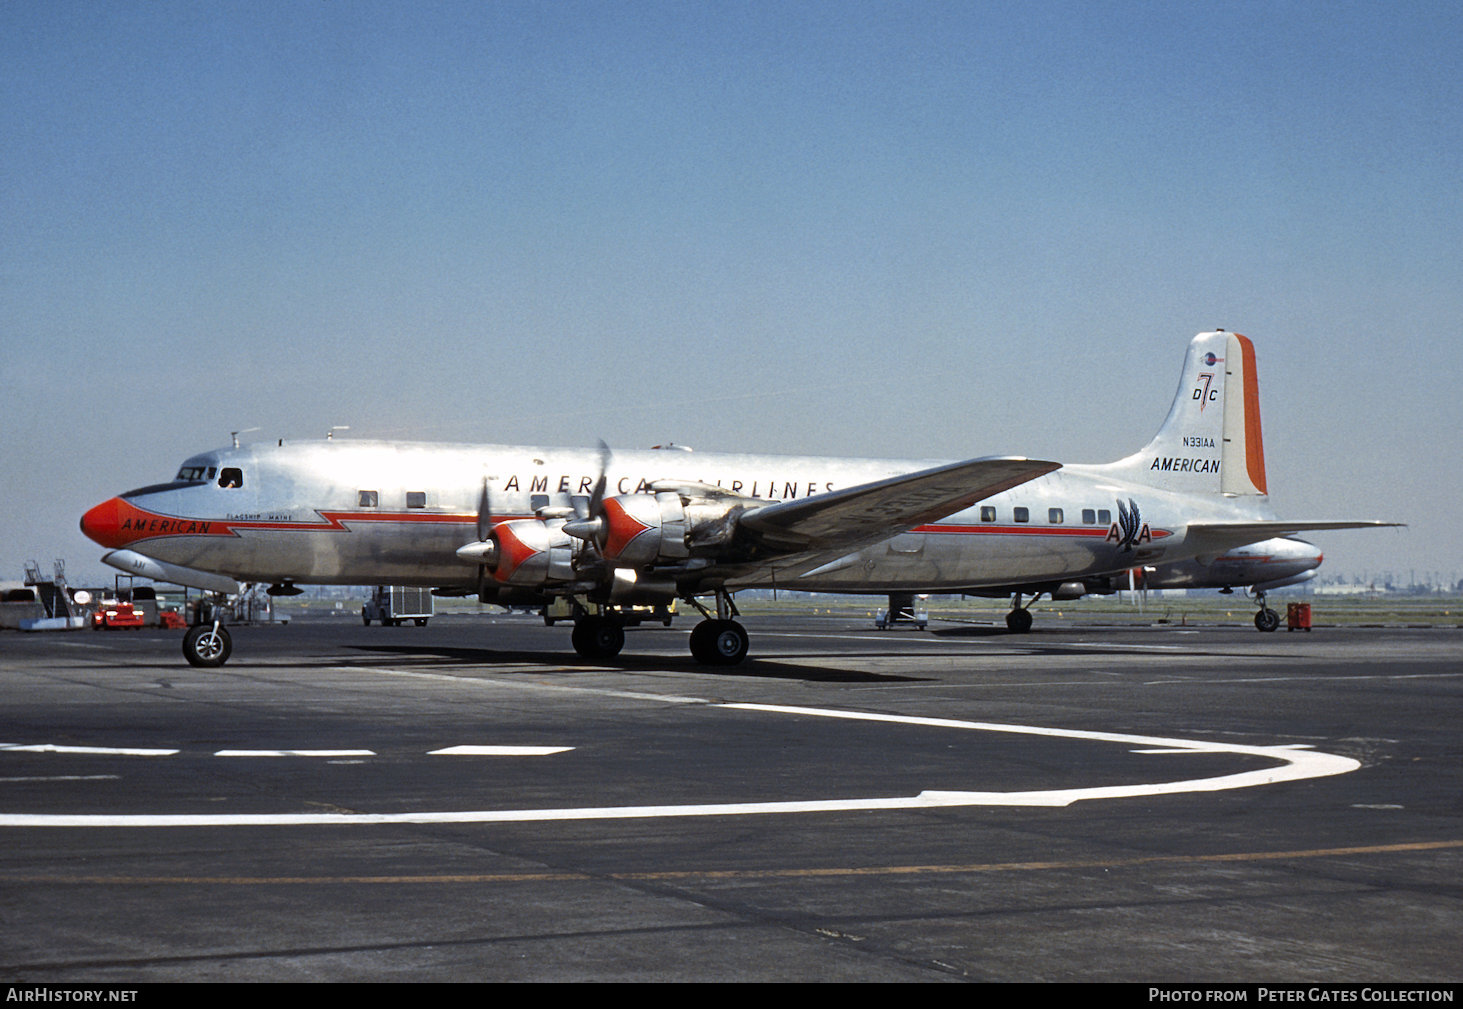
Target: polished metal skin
{"type": "Point", "coordinates": [527, 524]}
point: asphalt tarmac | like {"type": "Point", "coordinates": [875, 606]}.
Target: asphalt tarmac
{"type": "Point", "coordinates": [472, 801]}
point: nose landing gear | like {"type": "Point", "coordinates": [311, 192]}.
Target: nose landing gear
{"type": "Point", "coordinates": [207, 645]}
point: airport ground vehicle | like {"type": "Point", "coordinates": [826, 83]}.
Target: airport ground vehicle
{"type": "Point", "coordinates": [111, 616]}
{"type": "Point", "coordinates": [394, 605]}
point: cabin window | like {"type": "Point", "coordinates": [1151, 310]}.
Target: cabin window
{"type": "Point", "coordinates": [367, 498]}
{"type": "Point", "coordinates": [1054, 516]}
{"type": "Point", "coordinates": [538, 501]}
{"type": "Point", "coordinates": [987, 513]}
{"type": "Point", "coordinates": [416, 499]}
{"type": "Point", "coordinates": [1089, 517]}
{"type": "Point", "coordinates": [1104, 517]}
{"type": "Point", "coordinates": [231, 476]}
{"type": "Point", "coordinates": [1022, 515]}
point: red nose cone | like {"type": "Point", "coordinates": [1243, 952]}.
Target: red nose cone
{"type": "Point", "coordinates": [104, 523]}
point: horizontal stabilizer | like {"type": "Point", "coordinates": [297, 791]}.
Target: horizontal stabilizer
{"type": "Point", "coordinates": [1217, 536]}
{"type": "Point", "coordinates": [884, 508]}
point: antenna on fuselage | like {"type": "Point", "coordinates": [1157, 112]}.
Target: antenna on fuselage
{"type": "Point", "coordinates": [235, 434]}
{"type": "Point", "coordinates": [330, 435]}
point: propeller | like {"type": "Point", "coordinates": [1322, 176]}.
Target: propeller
{"type": "Point", "coordinates": [485, 513]}
{"type": "Point", "coordinates": [590, 521]}
{"type": "Point", "coordinates": [484, 551]}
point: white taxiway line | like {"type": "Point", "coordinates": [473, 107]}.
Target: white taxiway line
{"type": "Point", "coordinates": [1293, 765]}
{"type": "Point", "coordinates": [105, 750]}
{"type": "Point", "coordinates": [294, 753]}
{"type": "Point", "coordinates": [499, 751]}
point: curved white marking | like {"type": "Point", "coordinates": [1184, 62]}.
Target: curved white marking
{"type": "Point", "coordinates": [1295, 765]}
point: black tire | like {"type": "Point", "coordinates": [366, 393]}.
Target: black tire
{"type": "Point", "coordinates": [598, 638]}
{"type": "Point", "coordinates": [206, 647]}
{"type": "Point", "coordinates": [1267, 620]}
{"type": "Point", "coordinates": [1018, 621]}
{"type": "Point", "coordinates": [730, 643]}
{"type": "Point", "coordinates": [365, 617]}
{"type": "Point", "coordinates": [719, 642]}
{"type": "Point", "coordinates": [701, 642]}
{"type": "Point", "coordinates": [421, 621]}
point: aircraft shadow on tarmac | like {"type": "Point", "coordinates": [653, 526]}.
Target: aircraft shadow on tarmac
{"type": "Point", "coordinates": [753, 667]}
{"type": "Point", "coordinates": [1032, 643]}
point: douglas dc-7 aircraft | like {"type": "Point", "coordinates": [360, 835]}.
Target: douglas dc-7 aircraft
{"type": "Point", "coordinates": [524, 525]}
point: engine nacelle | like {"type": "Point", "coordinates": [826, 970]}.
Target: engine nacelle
{"type": "Point", "coordinates": [532, 552]}
{"type": "Point", "coordinates": [640, 530]}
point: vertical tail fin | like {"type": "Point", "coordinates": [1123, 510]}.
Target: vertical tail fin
{"type": "Point", "coordinates": [1211, 441]}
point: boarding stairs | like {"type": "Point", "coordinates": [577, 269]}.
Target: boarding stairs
{"type": "Point", "coordinates": [54, 597]}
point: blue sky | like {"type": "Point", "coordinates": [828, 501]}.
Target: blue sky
{"type": "Point", "coordinates": [930, 229]}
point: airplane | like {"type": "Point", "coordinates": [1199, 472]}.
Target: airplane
{"type": "Point", "coordinates": [524, 525]}
{"type": "Point", "coordinates": [1258, 568]}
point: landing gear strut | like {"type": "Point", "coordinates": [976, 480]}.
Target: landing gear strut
{"type": "Point", "coordinates": [1266, 619]}
{"type": "Point", "coordinates": [1018, 621]}
{"type": "Point", "coordinates": [719, 640]}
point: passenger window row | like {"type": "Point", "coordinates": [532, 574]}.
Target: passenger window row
{"type": "Point", "coordinates": [372, 499]}
{"type": "Point", "coordinates": [1054, 516]}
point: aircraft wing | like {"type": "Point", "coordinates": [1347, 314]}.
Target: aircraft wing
{"type": "Point", "coordinates": [1226, 535]}
{"type": "Point", "coordinates": [885, 508]}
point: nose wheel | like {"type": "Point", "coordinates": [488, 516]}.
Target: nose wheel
{"type": "Point", "coordinates": [207, 645]}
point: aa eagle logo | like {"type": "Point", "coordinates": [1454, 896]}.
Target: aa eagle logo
{"type": "Point", "coordinates": [1130, 529]}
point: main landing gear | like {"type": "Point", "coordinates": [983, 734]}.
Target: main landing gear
{"type": "Point", "coordinates": [719, 640]}
{"type": "Point", "coordinates": [598, 637]}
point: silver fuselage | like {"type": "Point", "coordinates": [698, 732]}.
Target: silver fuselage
{"type": "Point", "coordinates": [343, 512]}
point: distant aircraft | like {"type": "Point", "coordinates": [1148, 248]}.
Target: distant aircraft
{"type": "Point", "coordinates": [1256, 567]}
{"type": "Point", "coordinates": [525, 525]}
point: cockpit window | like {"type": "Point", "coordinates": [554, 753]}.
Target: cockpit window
{"type": "Point", "coordinates": [231, 476]}
{"type": "Point", "coordinates": [191, 474]}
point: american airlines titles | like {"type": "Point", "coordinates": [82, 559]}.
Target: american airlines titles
{"type": "Point", "coordinates": [1179, 464]}
{"type": "Point", "coordinates": [774, 490]}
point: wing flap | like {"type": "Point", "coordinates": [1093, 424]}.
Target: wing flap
{"type": "Point", "coordinates": [884, 508]}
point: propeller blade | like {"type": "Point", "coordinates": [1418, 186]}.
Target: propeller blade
{"type": "Point", "coordinates": [485, 513]}
{"type": "Point", "coordinates": [590, 523]}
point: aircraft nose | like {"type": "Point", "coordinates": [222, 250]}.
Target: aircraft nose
{"type": "Point", "coordinates": [103, 524]}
